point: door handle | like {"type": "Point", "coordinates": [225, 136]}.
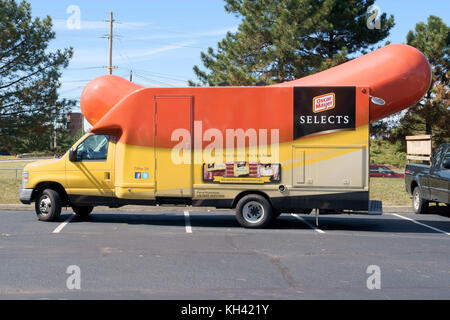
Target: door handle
{"type": "Point", "coordinates": [107, 176]}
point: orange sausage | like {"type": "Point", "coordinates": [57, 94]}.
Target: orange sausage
{"type": "Point", "coordinates": [102, 93]}
{"type": "Point", "coordinates": [399, 74]}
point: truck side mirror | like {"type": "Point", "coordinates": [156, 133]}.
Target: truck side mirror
{"type": "Point", "coordinates": [446, 164]}
{"type": "Point", "coordinates": [72, 155]}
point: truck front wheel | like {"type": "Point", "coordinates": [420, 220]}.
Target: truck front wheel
{"type": "Point", "coordinates": [48, 205]}
{"type": "Point", "coordinates": [420, 206]}
{"type": "Point", "coordinates": [82, 211]}
{"type": "Point", "coordinates": [254, 211]}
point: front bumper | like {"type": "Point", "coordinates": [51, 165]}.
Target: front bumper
{"type": "Point", "coordinates": [25, 195]}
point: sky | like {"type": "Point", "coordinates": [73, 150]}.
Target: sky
{"type": "Point", "coordinates": [161, 40]}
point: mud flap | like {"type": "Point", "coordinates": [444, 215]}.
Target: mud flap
{"type": "Point", "coordinates": [375, 207]}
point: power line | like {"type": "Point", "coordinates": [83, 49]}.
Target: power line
{"type": "Point", "coordinates": [163, 74]}
{"type": "Point", "coordinates": [84, 68]}
{"type": "Point", "coordinates": [70, 90]}
{"type": "Point", "coordinates": [153, 80]}
{"type": "Point", "coordinates": [128, 59]}
{"type": "Point", "coordinates": [162, 42]}
{"type": "Point", "coordinates": [160, 75]}
{"type": "Point", "coordinates": [75, 81]}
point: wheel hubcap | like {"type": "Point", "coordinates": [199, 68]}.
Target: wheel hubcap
{"type": "Point", "coordinates": [45, 205]}
{"type": "Point", "coordinates": [253, 212]}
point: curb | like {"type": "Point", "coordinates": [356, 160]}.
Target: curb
{"type": "Point", "coordinates": [399, 209]}
{"type": "Point", "coordinates": [25, 207]}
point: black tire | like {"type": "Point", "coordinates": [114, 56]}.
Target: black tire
{"type": "Point", "coordinates": [48, 205]}
{"type": "Point", "coordinates": [254, 211]}
{"type": "Point", "coordinates": [82, 211]}
{"type": "Point", "coordinates": [420, 206]}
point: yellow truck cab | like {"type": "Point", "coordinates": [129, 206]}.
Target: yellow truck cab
{"type": "Point", "coordinates": [82, 178]}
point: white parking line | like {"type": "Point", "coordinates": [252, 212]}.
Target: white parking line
{"type": "Point", "coordinates": [188, 222]}
{"type": "Point", "coordinates": [422, 224]}
{"type": "Point", "coordinates": [307, 223]}
{"type": "Point", "coordinates": [62, 225]}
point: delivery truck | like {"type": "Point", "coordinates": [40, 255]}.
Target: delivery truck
{"type": "Point", "coordinates": [263, 151]}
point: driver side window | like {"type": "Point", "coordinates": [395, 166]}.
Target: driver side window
{"type": "Point", "coordinates": [94, 147]}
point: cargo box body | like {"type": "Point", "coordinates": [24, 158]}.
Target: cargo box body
{"type": "Point", "coordinates": [301, 147]}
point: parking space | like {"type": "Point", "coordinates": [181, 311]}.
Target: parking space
{"type": "Point", "coordinates": [184, 253]}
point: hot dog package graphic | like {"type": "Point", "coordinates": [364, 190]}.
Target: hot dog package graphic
{"type": "Point", "coordinates": [237, 172]}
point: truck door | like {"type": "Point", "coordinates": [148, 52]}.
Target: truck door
{"type": "Point", "coordinates": [173, 147]}
{"type": "Point", "coordinates": [439, 177]}
{"type": "Point", "coordinates": [90, 176]}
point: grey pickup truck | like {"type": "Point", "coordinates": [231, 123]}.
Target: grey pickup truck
{"type": "Point", "coordinates": [430, 183]}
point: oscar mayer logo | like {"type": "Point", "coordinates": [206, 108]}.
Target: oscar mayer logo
{"type": "Point", "coordinates": [324, 102]}
{"type": "Point", "coordinates": [333, 109]}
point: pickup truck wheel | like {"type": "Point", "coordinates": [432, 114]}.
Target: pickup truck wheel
{"type": "Point", "coordinates": [254, 211]}
{"type": "Point", "coordinates": [420, 206]}
{"type": "Point", "coordinates": [82, 211]}
{"type": "Point", "coordinates": [48, 205]}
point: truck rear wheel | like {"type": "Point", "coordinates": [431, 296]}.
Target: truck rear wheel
{"type": "Point", "coordinates": [82, 211]}
{"type": "Point", "coordinates": [254, 211]}
{"type": "Point", "coordinates": [48, 205]}
{"type": "Point", "coordinates": [420, 206]}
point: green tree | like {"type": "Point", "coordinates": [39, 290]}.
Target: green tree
{"type": "Point", "coordinates": [281, 40]}
{"type": "Point", "coordinates": [29, 79]}
{"type": "Point", "coordinates": [64, 141]}
{"type": "Point", "coordinates": [432, 114]}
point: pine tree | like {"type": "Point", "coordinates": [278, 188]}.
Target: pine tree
{"type": "Point", "coordinates": [432, 114]}
{"type": "Point", "coordinates": [281, 40]}
{"type": "Point", "coordinates": [29, 79]}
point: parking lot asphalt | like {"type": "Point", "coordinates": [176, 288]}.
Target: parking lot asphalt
{"type": "Point", "coordinates": [184, 253]}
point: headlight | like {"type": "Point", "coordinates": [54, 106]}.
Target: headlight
{"type": "Point", "coordinates": [25, 177]}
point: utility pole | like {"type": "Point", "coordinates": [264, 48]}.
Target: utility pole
{"type": "Point", "coordinates": [111, 35]}
{"type": "Point", "coordinates": [131, 75]}
{"type": "Point", "coordinates": [111, 22]}
{"type": "Point", "coordinates": [53, 143]}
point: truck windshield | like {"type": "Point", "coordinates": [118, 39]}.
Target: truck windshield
{"type": "Point", "coordinates": [446, 156]}
{"type": "Point", "coordinates": [436, 157]}
{"type": "Point", "coordinates": [94, 147]}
